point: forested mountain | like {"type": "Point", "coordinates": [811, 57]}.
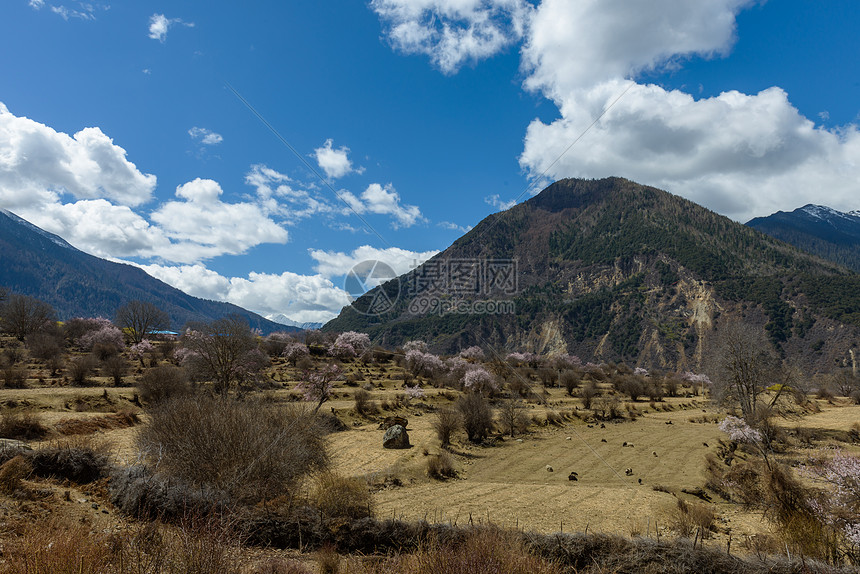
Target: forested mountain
{"type": "Point", "coordinates": [612, 270]}
{"type": "Point", "coordinates": [830, 234]}
{"type": "Point", "coordinates": [37, 263]}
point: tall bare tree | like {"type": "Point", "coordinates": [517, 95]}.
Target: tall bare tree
{"type": "Point", "coordinates": [744, 366]}
{"type": "Point", "coordinates": [141, 318]}
{"type": "Point", "coordinates": [22, 315]}
{"type": "Point", "coordinates": [220, 351]}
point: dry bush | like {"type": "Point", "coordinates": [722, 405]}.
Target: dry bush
{"type": "Point", "coordinates": [477, 416]}
{"type": "Point", "coordinates": [64, 547]}
{"type": "Point", "coordinates": [570, 381]}
{"type": "Point", "coordinates": [691, 518]}
{"type": "Point", "coordinates": [588, 393]}
{"type": "Point", "coordinates": [116, 368]}
{"type": "Point", "coordinates": [441, 466]}
{"type": "Point", "coordinates": [513, 417]}
{"type": "Point", "coordinates": [80, 368]}
{"type": "Point", "coordinates": [481, 551]}
{"type": "Point", "coordinates": [162, 383]}
{"type": "Point", "coordinates": [279, 566]}
{"type": "Point", "coordinates": [13, 472]}
{"type": "Point", "coordinates": [606, 407]}
{"type": "Point", "coordinates": [447, 421]}
{"type": "Point", "coordinates": [341, 498]}
{"type": "Point", "coordinates": [22, 425]}
{"type": "Point", "coordinates": [14, 377]}
{"type": "Point", "coordinates": [554, 418]}
{"type": "Point", "coordinates": [328, 560]}
{"type": "Point", "coordinates": [364, 406]}
{"type": "Point", "coordinates": [75, 462]}
{"type": "Point", "coordinates": [250, 450]}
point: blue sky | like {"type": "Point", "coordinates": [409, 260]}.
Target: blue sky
{"type": "Point", "coordinates": [119, 129]}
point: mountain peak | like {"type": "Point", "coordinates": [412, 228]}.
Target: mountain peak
{"type": "Point", "coordinates": [56, 239]}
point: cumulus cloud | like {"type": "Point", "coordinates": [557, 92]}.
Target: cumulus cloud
{"type": "Point", "coordinates": [206, 137]}
{"type": "Point", "coordinates": [496, 201]}
{"type": "Point", "coordinates": [202, 226]}
{"type": "Point", "coordinates": [303, 298]}
{"type": "Point", "coordinates": [453, 32]}
{"type": "Point", "coordinates": [383, 200]}
{"type": "Point", "coordinates": [742, 155]}
{"type": "Point", "coordinates": [39, 164]}
{"type": "Point", "coordinates": [338, 264]}
{"type": "Point", "coordinates": [159, 25]}
{"type": "Point", "coordinates": [280, 196]}
{"type": "Point", "coordinates": [99, 227]}
{"type": "Point", "coordinates": [335, 162]}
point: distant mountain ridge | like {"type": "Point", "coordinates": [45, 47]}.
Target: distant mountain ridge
{"type": "Point", "coordinates": [612, 270]}
{"type": "Point", "coordinates": [40, 264]}
{"type": "Point", "coordinates": [284, 320]}
{"type": "Point", "coordinates": [820, 230]}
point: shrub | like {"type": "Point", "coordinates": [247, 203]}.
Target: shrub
{"type": "Point", "coordinates": [441, 466]}
{"type": "Point", "coordinates": [13, 472]}
{"type": "Point", "coordinates": [513, 417]}
{"type": "Point", "coordinates": [80, 369]}
{"type": "Point", "coordinates": [570, 381]}
{"type": "Point", "coordinates": [588, 394]}
{"type": "Point", "coordinates": [44, 345]}
{"type": "Point", "coordinates": [363, 404]}
{"type": "Point", "coordinates": [479, 380]}
{"type": "Point", "coordinates": [14, 378]}
{"type": "Point", "coordinates": [162, 383]}
{"type": "Point", "coordinates": [341, 498]}
{"type": "Point", "coordinates": [477, 416]}
{"type": "Point", "coordinates": [23, 426]}
{"type": "Point", "coordinates": [447, 421]}
{"type": "Point", "coordinates": [79, 464]}
{"type": "Point", "coordinates": [690, 518]}
{"type": "Point", "coordinates": [115, 367]}
{"type": "Point", "coordinates": [250, 450]}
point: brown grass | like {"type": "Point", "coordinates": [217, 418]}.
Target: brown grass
{"type": "Point", "coordinates": [81, 426]}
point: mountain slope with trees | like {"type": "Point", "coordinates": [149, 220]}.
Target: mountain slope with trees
{"type": "Point", "coordinates": [826, 232]}
{"type": "Point", "coordinates": [613, 270]}
{"type": "Point", "coordinates": [39, 264]}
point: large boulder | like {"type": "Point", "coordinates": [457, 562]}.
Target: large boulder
{"type": "Point", "coordinates": [396, 437]}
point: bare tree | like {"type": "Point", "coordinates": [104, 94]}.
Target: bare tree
{"type": "Point", "coordinates": [141, 318]}
{"type": "Point", "coordinates": [477, 416]}
{"type": "Point", "coordinates": [512, 416]}
{"type": "Point", "coordinates": [220, 351]}
{"type": "Point", "coordinates": [744, 366]}
{"type": "Point", "coordinates": [22, 315]}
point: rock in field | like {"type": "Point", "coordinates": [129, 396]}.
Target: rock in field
{"type": "Point", "coordinates": [396, 437]}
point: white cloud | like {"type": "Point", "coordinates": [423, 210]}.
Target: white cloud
{"type": "Point", "coordinates": [453, 32]}
{"type": "Point", "coordinates": [277, 194]}
{"type": "Point", "coordinates": [99, 227]}
{"type": "Point", "coordinates": [39, 164]}
{"type": "Point", "coordinates": [37, 4]}
{"type": "Point", "coordinates": [742, 155]}
{"type": "Point", "coordinates": [159, 25]}
{"type": "Point", "coordinates": [454, 226]}
{"type": "Point", "coordinates": [572, 45]}
{"type": "Point", "coordinates": [335, 162]}
{"type": "Point", "coordinates": [203, 226]}
{"type": "Point", "coordinates": [304, 298]}
{"type": "Point", "coordinates": [206, 137]}
{"type": "Point", "coordinates": [383, 200]}
{"type": "Point", "coordinates": [496, 201]}
{"type": "Point", "coordinates": [338, 264]}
